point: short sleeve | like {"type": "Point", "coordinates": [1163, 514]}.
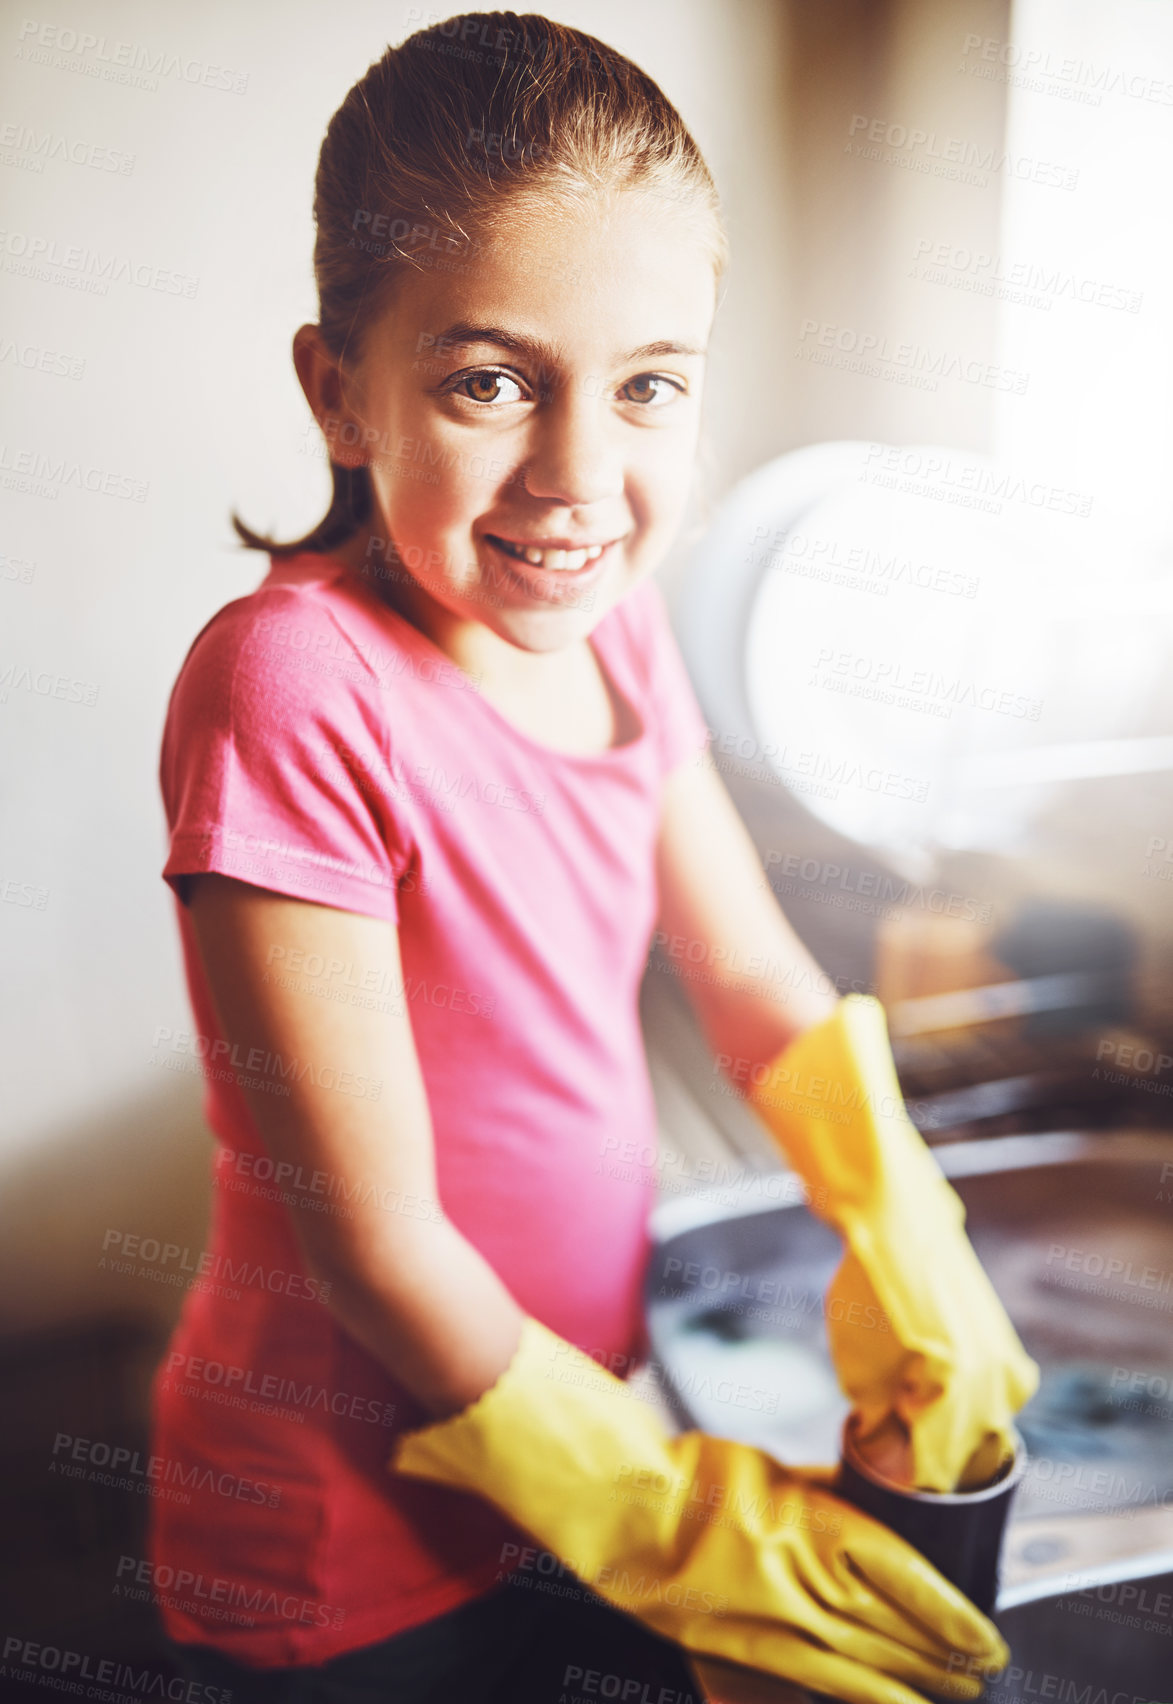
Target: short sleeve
{"type": "Point", "coordinates": [275, 763]}
{"type": "Point", "coordinates": [681, 727]}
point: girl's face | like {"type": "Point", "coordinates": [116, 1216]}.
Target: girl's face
{"type": "Point", "coordinates": [531, 407]}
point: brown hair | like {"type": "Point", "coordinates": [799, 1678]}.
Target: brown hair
{"type": "Point", "coordinates": [418, 156]}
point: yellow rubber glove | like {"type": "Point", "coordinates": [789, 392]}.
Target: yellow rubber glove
{"type": "Point", "coordinates": [711, 1543]}
{"type": "Point", "coordinates": [920, 1341]}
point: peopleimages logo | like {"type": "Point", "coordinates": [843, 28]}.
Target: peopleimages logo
{"type": "Point", "coordinates": [120, 61]}
{"type": "Point", "coordinates": [202, 1589]}
{"type": "Point", "coordinates": [931, 365]}
{"type": "Point", "coordinates": [127, 1469]}
{"type": "Point", "coordinates": [193, 1375]}
{"type": "Point", "coordinates": [38, 474]}
{"type": "Point", "coordinates": [820, 875]}
{"type": "Point", "coordinates": [132, 1250]}
{"type": "Point", "coordinates": [274, 1067]}
{"type": "Point", "coordinates": [923, 150]}
{"type": "Point", "coordinates": [970, 484]}
{"type": "Point", "coordinates": [106, 1671]}
{"type": "Point", "coordinates": [22, 250]}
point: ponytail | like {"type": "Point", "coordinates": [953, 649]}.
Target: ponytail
{"type": "Point", "coordinates": [351, 504]}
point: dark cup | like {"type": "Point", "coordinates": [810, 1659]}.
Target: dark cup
{"type": "Point", "coordinates": [959, 1532]}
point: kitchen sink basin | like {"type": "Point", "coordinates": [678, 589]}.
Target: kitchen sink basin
{"type": "Point", "coordinates": [1110, 1639]}
{"type": "Point", "coordinates": [1074, 1230]}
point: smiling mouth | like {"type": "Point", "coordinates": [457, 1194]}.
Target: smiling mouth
{"type": "Point", "coordinates": [559, 558]}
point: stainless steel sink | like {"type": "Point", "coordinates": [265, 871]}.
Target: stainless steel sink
{"type": "Point", "coordinates": [1110, 1634]}
{"type": "Point", "coordinates": [1076, 1232]}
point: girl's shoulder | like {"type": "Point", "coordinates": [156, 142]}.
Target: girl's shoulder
{"type": "Point", "coordinates": [276, 746]}
{"type": "Point", "coordinates": [308, 611]}
{"type": "Point", "coordinates": [298, 658]}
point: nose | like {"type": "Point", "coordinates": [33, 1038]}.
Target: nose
{"type": "Point", "coordinates": [574, 454]}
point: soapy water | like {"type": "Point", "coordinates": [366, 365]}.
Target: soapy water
{"type": "Point", "coordinates": [1099, 1437]}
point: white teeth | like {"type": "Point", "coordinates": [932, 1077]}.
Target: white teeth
{"type": "Point", "coordinates": [567, 560]}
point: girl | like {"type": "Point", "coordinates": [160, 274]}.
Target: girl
{"type": "Point", "coordinates": [430, 787]}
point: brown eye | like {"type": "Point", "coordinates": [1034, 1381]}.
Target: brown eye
{"type": "Point", "coordinates": [489, 386]}
{"type": "Point", "coordinates": [651, 389]}
{"type": "Point", "coordinates": [483, 387]}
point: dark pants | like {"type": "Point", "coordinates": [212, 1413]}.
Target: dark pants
{"type": "Point", "coordinates": [515, 1645]}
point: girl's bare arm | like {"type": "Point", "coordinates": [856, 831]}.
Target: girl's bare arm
{"type": "Point", "coordinates": [404, 1282]}
{"type": "Point", "coordinates": [760, 986]}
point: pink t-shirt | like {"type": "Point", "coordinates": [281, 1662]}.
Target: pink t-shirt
{"type": "Point", "coordinates": [318, 745]}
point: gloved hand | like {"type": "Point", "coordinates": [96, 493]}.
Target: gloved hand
{"type": "Point", "coordinates": [710, 1543]}
{"type": "Point", "coordinates": [920, 1341]}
